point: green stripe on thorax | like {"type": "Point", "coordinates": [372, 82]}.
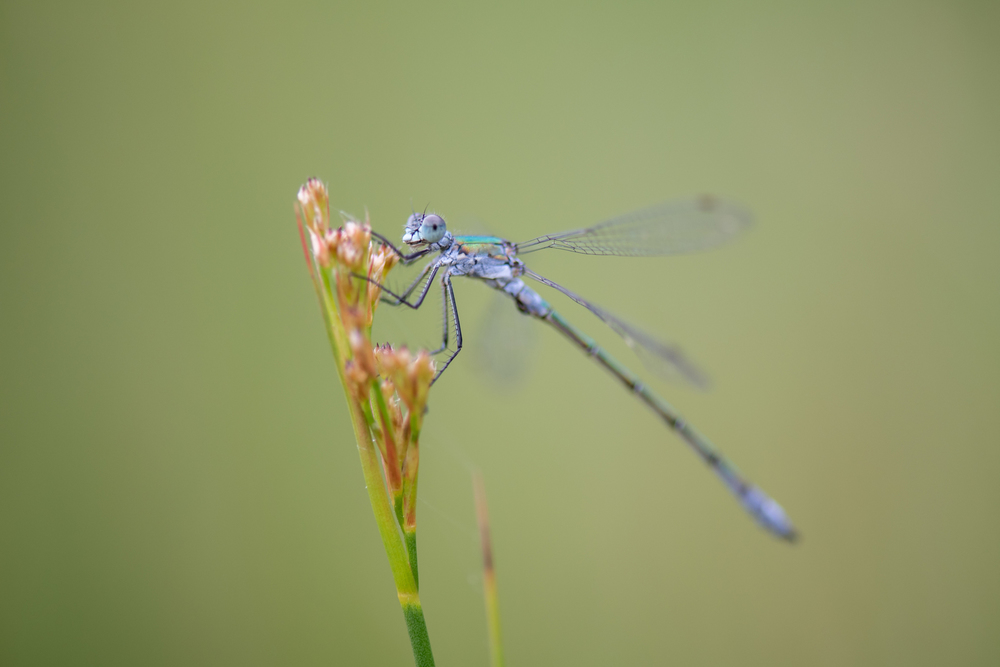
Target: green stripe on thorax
{"type": "Point", "coordinates": [475, 245]}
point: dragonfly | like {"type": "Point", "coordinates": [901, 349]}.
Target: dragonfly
{"type": "Point", "coordinates": [670, 228]}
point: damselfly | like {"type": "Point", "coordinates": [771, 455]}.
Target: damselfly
{"type": "Point", "coordinates": [667, 229]}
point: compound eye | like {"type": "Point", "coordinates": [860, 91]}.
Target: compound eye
{"type": "Point", "coordinates": [433, 228]}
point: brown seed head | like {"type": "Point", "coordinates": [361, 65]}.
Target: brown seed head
{"type": "Point", "coordinates": [380, 262]}
{"type": "Point", "coordinates": [396, 415]}
{"type": "Point", "coordinates": [412, 377]}
{"type": "Point", "coordinates": [362, 352]}
{"type": "Point", "coordinates": [351, 245]}
{"type": "Point", "coordinates": [381, 352]}
{"type": "Point", "coordinates": [314, 202]}
{"type": "Point", "coordinates": [420, 374]}
{"type": "Point", "coordinates": [357, 380]}
{"type": "Point", "coordinates": [390, 360]}
{"type": "Point", "coordinates": [314, 207]}
{"type": "Point", "coordinates": [353, 318]}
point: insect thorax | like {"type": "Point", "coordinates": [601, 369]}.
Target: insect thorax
{"type": "Point", "coordinates": [484, 265]}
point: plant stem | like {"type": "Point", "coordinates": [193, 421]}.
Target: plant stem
{"type": "Point", "coordinates": [326, 283]}
{"type": "Point", "coordinates": [419, 640]}
{"type": "Point", "coordinates": [489, 573]}
{"type": "Point", "coordinates": [406, 585]}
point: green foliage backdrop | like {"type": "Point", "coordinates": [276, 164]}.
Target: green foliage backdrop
{"type": "Point", "coordinates": [178, 479]}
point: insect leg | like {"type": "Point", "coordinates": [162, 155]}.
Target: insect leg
{"type": "Point", "coordinates": [450, 296]}
{"type": "Point", "coordinates": [444, 319]}
{"type": "Point", "coordinates": [405, 259]}
{"type": "Point", "coordinates": [402, 299]}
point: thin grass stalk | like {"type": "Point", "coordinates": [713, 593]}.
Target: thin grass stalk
{"type": "Point", "coordinates": [489, 572]}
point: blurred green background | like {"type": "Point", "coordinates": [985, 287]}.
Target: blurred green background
{"type": "Point", "coordinates": [178, 478]}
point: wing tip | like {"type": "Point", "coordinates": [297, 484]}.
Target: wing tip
{"type": "Point", "coordinates": [711, 204]}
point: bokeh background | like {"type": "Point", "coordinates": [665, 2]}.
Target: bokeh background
{"type": "Point", "coordinates": [178, 479]}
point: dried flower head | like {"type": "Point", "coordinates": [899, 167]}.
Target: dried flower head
{"type": "Point", "coordinates": [356, 379]}
{"type": "Point", "coordinates": [380, 262]}
{"type": "Point", "coordinates": [314, 202]}
{"type": "Point", "coordinates": [392, 401]}
{"type": "Point", "coordinates": [389, 360]}
{"type": "Point", "coordinates": [353, 244]}
{"type": "Point", "coordinates": [411, 375]}
{"type": "Point", "coordinates": [419, 375]}
{"type": "Point", "coordinates": [314, 212]}
{"type": "Point", "coordinates": [361, 351]}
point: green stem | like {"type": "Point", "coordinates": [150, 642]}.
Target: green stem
{"type": "Point", "coordinates": [409, 509]}
{"type": "Point", "coordinates": [489, 572]}
{"type": "Point", "coordinates": [397, 504]}
{"type": "Point", "coordinates": [389, 451]}
{"type": "Point", "coordinates": [410, 536]}
{"type": "Point", "coordinates": [384, 515]}
{"type": "Point", "coordinates": [406, 586]}
{"type": "Point", "coordinates": [418, 633]}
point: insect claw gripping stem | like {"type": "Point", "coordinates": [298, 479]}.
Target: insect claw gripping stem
{"type": "Point", "coordinates": [404, 259]}
{"type": "Point", "coordinates": [448, 296]}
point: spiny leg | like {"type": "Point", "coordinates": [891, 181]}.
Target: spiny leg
{"type": "Point", "coordinates": [401, 299]}
{"type": "Point", "coordinates": [449, 293]}
{"type": "Point", "coordinates": [405, 259]}
{"type": "Point", "coordinates": [444, 320]}
{"type": "Point", "coordinates": [433, 266]}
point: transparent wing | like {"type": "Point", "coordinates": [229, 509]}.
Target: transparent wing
{"type": "Point", "coordinates": [664, 359]}
{"type": "Point", "coordinates": [506, 344]}
{"type": "Point", "coordinates": [671, 228]}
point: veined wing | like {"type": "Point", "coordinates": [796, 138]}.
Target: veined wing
{"type": "Point", "coordinates": [670, 228]}
{"type": "Point", "coordinates": [662, 358]}
{"type": "Point", "coordinates": [506, 346]}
